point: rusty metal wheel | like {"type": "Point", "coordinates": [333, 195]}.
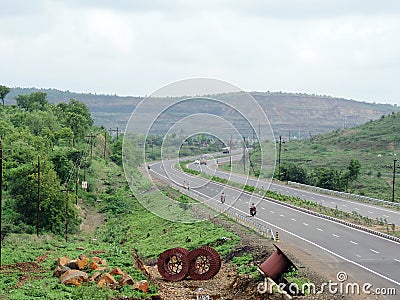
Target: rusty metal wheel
{"type": "Point", "coordinates": [204, 263]}
{"type": "Point", "coordinates": [216, 256]}
{"type": "Point", "coordinates": [173, 264]}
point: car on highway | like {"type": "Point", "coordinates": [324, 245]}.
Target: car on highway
{"type": "Point", "coordinates": [203, 159]}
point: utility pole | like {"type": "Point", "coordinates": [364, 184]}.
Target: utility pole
{"type": "Point", "coordinates": [244, 155]}
{"type": "Point", "coordinates": [114, 130]}
{"type": "Point", "coordinates": [66, 212]}
{"type": "Point", "coordinates": [279, 157]}
{"type": "Point", "coordinates": [394, 177]}
{"type": "Point", "coordinates": [76, 183]}
{"type": "Point", "coordinates": [91, 136]}
{"type": "Point", "coordinates": [105, 142]}
{"type": "Point", "coordinates": [38, 200]}
{"type": "Point", "coordinates": [1, 195]}
{"type": "Point", "coordinates": [230, 152]}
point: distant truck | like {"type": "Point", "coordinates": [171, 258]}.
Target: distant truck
{"type": "Point", "coordinates": [226, 150]}
{"type": "Point", "coordinates": [203, 160]}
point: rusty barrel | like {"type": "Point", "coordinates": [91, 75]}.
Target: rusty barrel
{"type": "Point", "coordinates": [277, 264]}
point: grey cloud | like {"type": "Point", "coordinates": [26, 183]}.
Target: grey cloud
{"type": "Point", "coordinates": [21, 7]}
{"type": "Point", "coordinates": [260, 8]}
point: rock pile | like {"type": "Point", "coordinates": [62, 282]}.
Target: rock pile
{"type": "Point", "coordinates": [94, 269]}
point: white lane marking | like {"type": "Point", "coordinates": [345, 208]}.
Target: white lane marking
{"type": "Point", "coordinates": [313, 193]}
{"type": "Point", "coordinates": [398, 260]}
{"type": "Point", "coordinates": [262, 207]}
{"type": "Point", "coordinates": [370, 212]}
{"type": "Point", "coordinates": [386, 216]}
{"type": "Point", "coordinates": [335, 235]}
{"type": "Point", "coordinates": [355, 243]}
{"type": "Point", "coordinates": [344, 205]}
{"type": "Point", "coordinates": [320, 229]}
{"type": "Point", "coordinates": [316, 245]}
{"type": "Point", "coordinates": [305, 224]}
{"type": "Point", "coordinates": [359, 256]}
{"type": "Point", "coordinates": [310, 242]}
{"type": "Point", "coordinates": [272, 212]}
{"type": "Point", "coordinates": [377, 252]}
{"type": "Point", "coordinates": [293, 219]}
{"type": "Point", "coordinates": [356, 208]}
{"type": "Point", "coordinates": [282, 215]}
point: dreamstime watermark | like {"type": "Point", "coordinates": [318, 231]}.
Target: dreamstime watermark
{"type": "Point", "coordinates": [342, 287]}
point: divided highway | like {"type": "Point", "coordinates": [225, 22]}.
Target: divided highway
{"type": "Point", "coordinates": [364, 209]}
{"type": "Point", "coordinates": [364, 257]}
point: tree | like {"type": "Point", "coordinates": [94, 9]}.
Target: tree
{"type": "Point", "coordinates": [78, 125]}
{"type": "Point", "coordinates": [328, 178]}
{"type": "Point", "coordinates": [31, 102]}
{"type": "Point", "coordinates": [76, 115]}
{"type": "Point", "coordinates": [354, 169]}
{"type": "Point", "coordinates": [23, 188]}
{"type": "Point", "coordinates": [293, 172]}
{"type": "Point", "coordinates": [64, 134]}
{"type": "Point", "coordinates": [3, 92]}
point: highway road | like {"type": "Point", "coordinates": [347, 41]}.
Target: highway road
{"type": "Point", "coordinates": [369, 210]}
{"type": "Point", "coordinates": [365, 258]}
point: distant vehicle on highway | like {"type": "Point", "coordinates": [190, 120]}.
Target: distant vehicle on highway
{"type": "Point", "coordinates": [226, 150]}
{"type": "Point", "coordinates": [203, 160]}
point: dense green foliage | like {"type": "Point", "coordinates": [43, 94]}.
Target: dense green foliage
{"type": "Point", "coordinates": [324, 177]}
{"type": "Point", "coordinates": [359, 160]}
{"type": "Point", "coordinates": [36, 131]}
{"type": "Point", "coordinates": [119, 225]}
{"type": "Point", "coordinates": [4, 90]}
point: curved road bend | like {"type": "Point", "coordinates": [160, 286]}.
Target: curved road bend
{"type": "Point", "coordinates": [364, 257]}
{"type": "Point", "coordinates": [364, 209]}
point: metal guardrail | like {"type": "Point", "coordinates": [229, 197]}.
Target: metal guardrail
{"type": "Point", "coordinates": [248, 222]}
{"type": "Point", "coordinates": [343, 194]}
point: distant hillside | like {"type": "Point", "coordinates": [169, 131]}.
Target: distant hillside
{"type": "Point", "coordinates": [373, 136]}
{"type": "Point", "coordinates": [111, 111]}
{"type": "Point", "coordinates": [291, 115]}
{"type": "Point", "coordinates": [374, 144]}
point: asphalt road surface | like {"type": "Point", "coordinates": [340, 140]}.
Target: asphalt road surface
{"type": "Point", "coordinates": [364, 257]}
{"type": "Point", "coordinates": [364, 209]}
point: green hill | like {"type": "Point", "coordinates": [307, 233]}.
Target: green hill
{"type": "Point", "coordinates": [291, 115]}
{"type": "Point", "coordinates": [374, 144]}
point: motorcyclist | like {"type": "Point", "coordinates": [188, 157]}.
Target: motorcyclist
{"type": "Point", "coordinates": [253, 210]}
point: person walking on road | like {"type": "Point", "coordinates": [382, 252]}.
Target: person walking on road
{"type": "Point", "coordinates": [222, 198]}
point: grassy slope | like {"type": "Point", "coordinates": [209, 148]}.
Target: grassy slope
{"type": "Point", "coordinates": [128, 226]}
{"type": "Point", "coordinates": [373, 144]}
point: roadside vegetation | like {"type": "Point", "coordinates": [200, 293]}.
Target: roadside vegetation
{"type": "Point", "coordinates": [103, 220]}
{"type": "Point", "coordinates": [357, 160]}
{"type": "Point", "coordinates": [380, 225]}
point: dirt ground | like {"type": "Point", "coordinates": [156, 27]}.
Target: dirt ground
{"type": "Point", "coordinates": [228, 284]}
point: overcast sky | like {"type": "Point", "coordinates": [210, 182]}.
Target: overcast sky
{"type": "Point", "coordinates": [342, 48]}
